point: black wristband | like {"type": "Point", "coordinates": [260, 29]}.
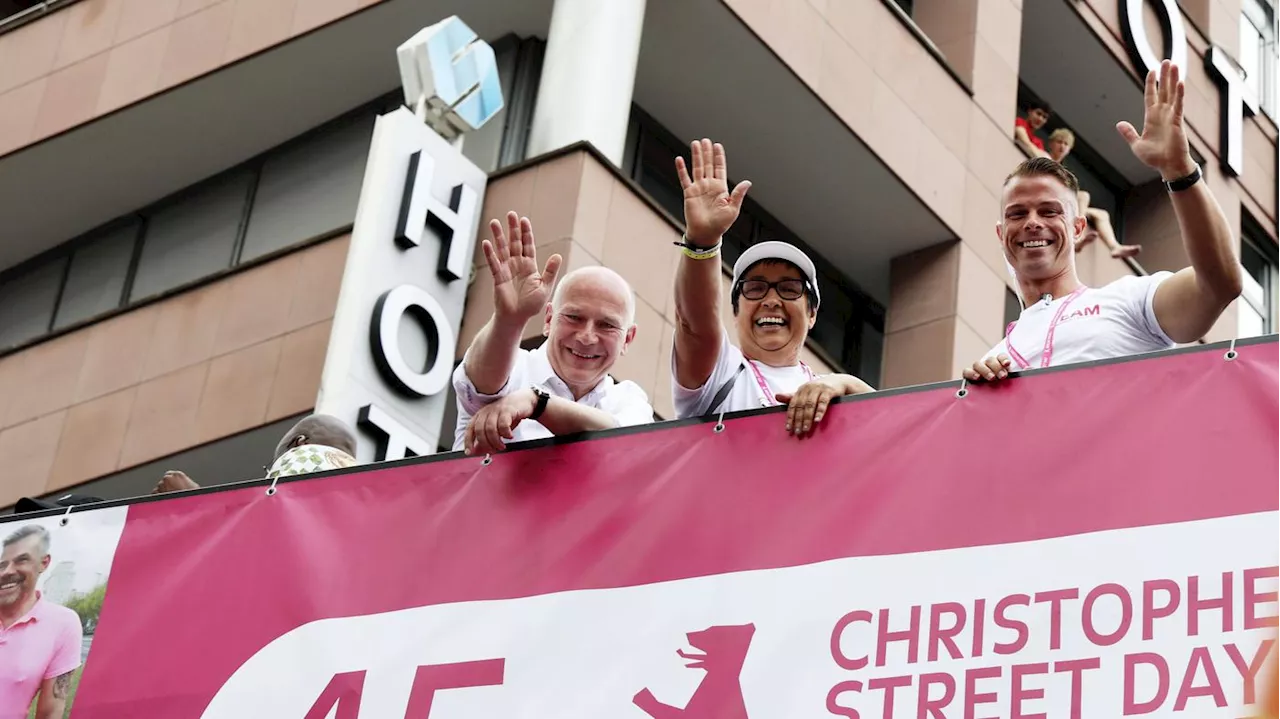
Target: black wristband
{"type": "Point", "coordinates": [685, 243]}
{"type": "Point", "coordinates": [541, 406]}
{"type": "Point", "coordinates": [1183, 183]}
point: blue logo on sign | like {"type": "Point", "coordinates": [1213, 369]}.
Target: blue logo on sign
{"type": "Point", "coordinates": [450, 69]}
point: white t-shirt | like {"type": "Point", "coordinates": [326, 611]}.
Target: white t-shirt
{"type": "Point", "coordinates": [626, 401]}
{"type": "Point", "coordinates": [746, 392]}
{"type": "Point", "coordinates": [1100, 323]}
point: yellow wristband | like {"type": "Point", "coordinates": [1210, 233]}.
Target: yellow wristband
{"type": "Point", "coordinates": [701, 254]}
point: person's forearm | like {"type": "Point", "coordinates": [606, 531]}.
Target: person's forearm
{"type": "Point", "coordinates": [50, 708]}
{"type": "Point", "coordinates": [493, 354]}
{"type": "Point", "coordinates": [1023, 141]}
{"type": "Point", "coordinates": [1209, 242]}
{"type": "Point", "coordinates": [852, 385]}
{"type": "Point", "coordinates": [564, 417]}
{"type": "Point", "coordinates": [698, 329]}
{"type": "Point", "coordinates": [698, 292]}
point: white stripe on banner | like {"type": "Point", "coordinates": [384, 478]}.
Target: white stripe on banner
{"type": "Point", "coordinates": [781, 650]}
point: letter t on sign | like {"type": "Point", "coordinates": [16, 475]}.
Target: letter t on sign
{"type": "Point", "coordinates": [418, 209]}
{"type": "Point", "coordinates": [1236, 103]}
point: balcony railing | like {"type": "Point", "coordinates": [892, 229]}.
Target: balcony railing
{"type": "Point", "coordinates": [16, 13]}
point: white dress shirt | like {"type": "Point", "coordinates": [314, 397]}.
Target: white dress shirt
{"type": "Point", "coordinates": [625, 401]}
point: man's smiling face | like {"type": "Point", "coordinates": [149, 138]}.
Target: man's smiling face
{"type": "Point", "coordinates": [21, 563]}
{"type": "Point", "coordinates": [588, 326]}
{"type": "Point", "coordinates": [1039, 226]}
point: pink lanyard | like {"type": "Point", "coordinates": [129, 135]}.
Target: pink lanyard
{"type": "Point", "coordinates": [1047, 355]}
{"type": "Point", "coordinates": [767, 398]}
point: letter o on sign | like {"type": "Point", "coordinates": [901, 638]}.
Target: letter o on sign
{"type": "Point", "coordinates": [385, 340]}
{"type": "Point", "coordinates": [1134, 29]}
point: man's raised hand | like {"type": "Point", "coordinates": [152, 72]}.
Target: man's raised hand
{"type": "Point", "coordinates": [709, 209]}
{"type": "Point", "coordinates": [519, 291]}
{"type": "Point", "coordinates": [1162, 145]}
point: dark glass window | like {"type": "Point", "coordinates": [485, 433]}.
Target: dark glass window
{"type": "Point", "coordinates": [96, 278]}
{"type": "Point", "coordinates": [1259, 299]}
{"type": "Point", "coordinates": [301, 190]}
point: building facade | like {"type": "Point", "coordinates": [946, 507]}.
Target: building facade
{"type": "Point", "coordinates": [179, 178]}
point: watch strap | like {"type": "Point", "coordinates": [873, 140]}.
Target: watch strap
{"type": "Point", "coordinates": [541, 406]}
{"type": "Point", "coordinates": [1184, 183]}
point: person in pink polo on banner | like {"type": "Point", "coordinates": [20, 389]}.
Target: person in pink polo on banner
{"type": "Point", "coordinates": [39, 640]}
{"type": "Point", "coordinates": [1066, 322]}
{"type": "Point", "coordinates": [775, 300]}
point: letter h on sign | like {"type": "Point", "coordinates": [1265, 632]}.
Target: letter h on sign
{"type": "Point", "coordinates": [418, 209]}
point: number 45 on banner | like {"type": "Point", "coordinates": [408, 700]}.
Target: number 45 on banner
{"type": "Point", "coordinates": [341, 697]}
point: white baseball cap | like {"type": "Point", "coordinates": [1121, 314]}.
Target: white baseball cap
{"type": "Point", "coordinates": [776, 250]}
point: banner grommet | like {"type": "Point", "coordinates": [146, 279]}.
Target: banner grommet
{"type": "Point", "coordinates": [719, 423]}
{"type": "Point", "coordinates": [1231, 351]}
{"type": "Point", "coordinates": [488, 460]}
{"type": "Point", "coordinates": [964, 389]}
{"type": "Point", "coordinates": [271, 491]}
{"type": "Point", "coordinates": [66, 516]}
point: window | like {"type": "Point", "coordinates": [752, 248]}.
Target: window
{"type": "Point", "coordinates": [1258, 51]}
{"type": "Point", "coordinates": [309, 188]}
{"type": "Point", "coordinates": [96, 279]}
{"type": "Point", "coordinates": [655, 171]}
{"type": "Point", "coordinates": [11, 8]}
{"type": "Point", "coordinates": [849, 331]}
{"type": "Point", "coordinates": [192, 237]}
{"type": "Point", "coordinates": [299, 191]}
{"type": "Point", "coordinates": [1012, 307]}
{"type": "Point", "coordinates": [305, 189]}
{"type": "Point", "coordinates": [1258, 302]}
{"type": "Point", "coordinates": [28, 300]}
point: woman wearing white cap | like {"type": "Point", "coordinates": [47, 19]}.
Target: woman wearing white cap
{"type": "Point", "coordinates": [775, 302]}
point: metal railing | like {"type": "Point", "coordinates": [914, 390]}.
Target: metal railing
{"type": "Point", "coordinates": [31, 14]}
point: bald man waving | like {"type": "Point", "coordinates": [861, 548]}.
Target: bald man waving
{"type": "Point", "coordinates": [507, 394]}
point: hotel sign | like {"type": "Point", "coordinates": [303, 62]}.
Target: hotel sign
{"type": "Point", "coordinates": [395, 329]}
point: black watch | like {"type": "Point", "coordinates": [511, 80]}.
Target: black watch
{"type": "Point", "coordinates": [1184, 183]}
{"type": "Point", "coordinates": [541, 406]}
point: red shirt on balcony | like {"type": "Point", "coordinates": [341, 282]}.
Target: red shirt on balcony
{"type": "Point", "coordinates": [1031, 134]}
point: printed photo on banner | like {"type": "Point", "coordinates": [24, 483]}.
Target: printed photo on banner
{"type": "Point", "coordinates": [53, 578]}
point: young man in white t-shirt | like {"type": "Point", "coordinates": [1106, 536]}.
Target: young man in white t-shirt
{"type": "Point", "coordinates": [775, 302]}
{"type": "Point", "coordinates": [1064, 321]}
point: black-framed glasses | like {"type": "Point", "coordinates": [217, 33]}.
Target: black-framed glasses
{"type": "Point", "coordinates": [788, 289]}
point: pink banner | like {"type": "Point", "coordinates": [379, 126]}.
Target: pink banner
{"type": "Point", "coordinates": [1093, 542]}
